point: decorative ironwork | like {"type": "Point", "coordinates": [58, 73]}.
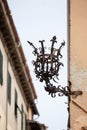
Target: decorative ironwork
{"type": "Point", "coordinates": [46, 68]}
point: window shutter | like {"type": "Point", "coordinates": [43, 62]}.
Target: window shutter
{"type": "Point", "coordinates": [1, 68]}
{"type": "Point", "coordinates": [25, 122]}
{"type": "Point", "coordinates": [9, 88]}
{"type": "Point", "coordinates": [16, 102]}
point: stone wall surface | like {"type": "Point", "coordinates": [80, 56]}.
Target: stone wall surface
{"type": "Point", "coordinates": [78, 63]}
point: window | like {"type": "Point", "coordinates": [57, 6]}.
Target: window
{"type": "Point", "coordinates": [9, 88]}
{"type": "Point", "coordinates": [1, 68]}
{"type": "Point", "coordinates": [16, 102]}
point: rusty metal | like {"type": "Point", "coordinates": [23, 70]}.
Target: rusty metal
{"type": "Point", "coordinates": [47, 66]}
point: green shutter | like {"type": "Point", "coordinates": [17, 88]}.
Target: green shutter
{"type": "Point", "coordinates": [25, 122]}
{"type": "Point", "coordinates": [16, 101]}
{"type": "Point", "coordinates": [1, 68]}
{"type": "Point", "coordinates": [9, 88]}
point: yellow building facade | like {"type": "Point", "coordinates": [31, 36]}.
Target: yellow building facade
{"type": "Point", "coordinates": [17, 92]}
{"type": "Point", "coordinates": [77, 23]}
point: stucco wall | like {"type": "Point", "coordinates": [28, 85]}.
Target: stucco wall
{"type": "Point", "coordinates": [13, 123]}
{"type": "Point", "coordinates": [78, 56]}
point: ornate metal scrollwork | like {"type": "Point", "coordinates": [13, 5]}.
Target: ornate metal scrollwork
{"type": "Point", "coordinates": [46, 68]}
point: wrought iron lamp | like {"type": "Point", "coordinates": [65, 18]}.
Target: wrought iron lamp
{"type": "Point", "coordinates": [46, 68]}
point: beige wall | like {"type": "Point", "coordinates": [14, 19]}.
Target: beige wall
{"type": "Point", "coordinates": [78, 63]}
{"type": "Point", "coordinates": [3, 92]}
{"type": "Point", "coordinates": [12, 122]}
